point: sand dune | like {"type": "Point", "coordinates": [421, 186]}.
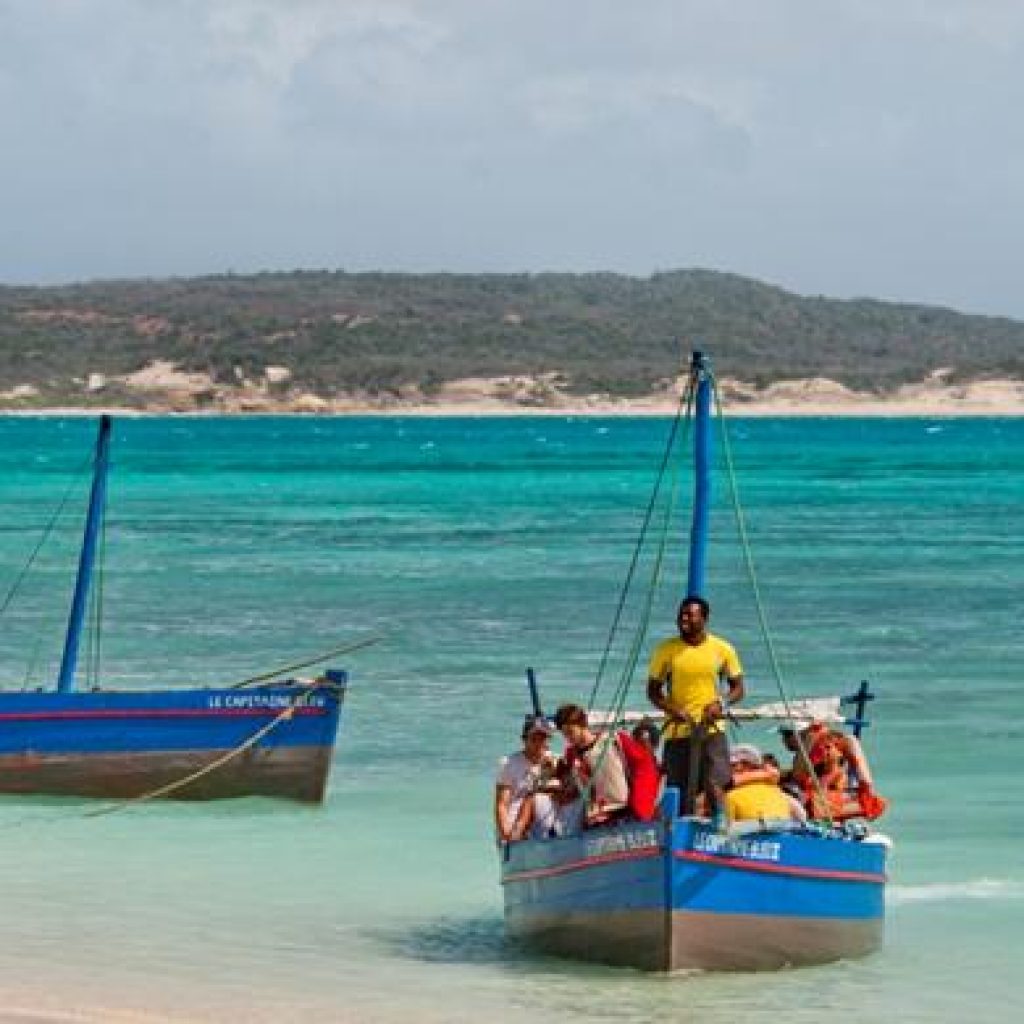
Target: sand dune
{"type": "Point", "coordinates": [163, 388]}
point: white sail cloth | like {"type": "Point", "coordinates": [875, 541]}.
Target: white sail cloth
{"type": "Point", "coordinates": [800, 712]}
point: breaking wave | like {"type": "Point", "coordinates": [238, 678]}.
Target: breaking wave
{"type": "Point", "coordinates": [975, 889]}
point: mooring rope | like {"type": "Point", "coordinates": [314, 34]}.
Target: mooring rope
{"type": "Point", "coordinates": [173, 787]}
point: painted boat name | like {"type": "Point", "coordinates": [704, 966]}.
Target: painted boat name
{"type": "Point", "coordinates": [750, 849]}
{"type": "Point", "coordinates": [259, 700]}
{"type": "Point", "coordinates": [623, 842]}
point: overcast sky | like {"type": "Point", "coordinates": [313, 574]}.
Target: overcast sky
{"type": "Point", "coordinates": [840, 147]}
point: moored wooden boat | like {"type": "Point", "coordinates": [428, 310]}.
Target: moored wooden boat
{"type": "Point", "coordinates": [275, 739]}
{"type": "Point", "coordinates": [198, 744]}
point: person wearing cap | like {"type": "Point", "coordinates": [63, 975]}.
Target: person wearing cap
{"type": "Point", "coordinates": [755, 794]}
{"type": "Point", "coordinates": [683, 680]}
{"type": "Point", "coordinates": [520, 809]}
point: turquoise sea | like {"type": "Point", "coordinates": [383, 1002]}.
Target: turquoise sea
{"type": "Point", "coordinates": [890, 550]}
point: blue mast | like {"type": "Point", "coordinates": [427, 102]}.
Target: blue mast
{"type": "Point", "coordinates": [700, 374]}
{"type": "Point", "coordinates": [87, 559]}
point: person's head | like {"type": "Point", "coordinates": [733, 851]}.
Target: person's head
{"type": "Point", "coordinates": [788, 736]}
{"type": "Point", "coordinates": [536, 733]}
{"type": "Point", "coordinates": [745, 756]}
{"type": "Point", "coordinates": [792, 736]}
{"type": "Point", "coordinates": [571, 722]}
{"type": "Point", "coordinates": [647, 732]}
{"type": "Point", "coordinates": [692, 617]}
{"type": "Point", "coordinates": [770, 761]}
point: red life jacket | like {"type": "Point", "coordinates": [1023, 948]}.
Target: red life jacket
{"type": "Point", "coordinates": [644, 777]}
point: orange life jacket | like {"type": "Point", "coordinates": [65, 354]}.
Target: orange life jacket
{"type": "Point", "coordinates": [833, 756]}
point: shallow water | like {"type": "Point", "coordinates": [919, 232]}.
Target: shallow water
{"type": "Point", "coordinates": [889, 550]}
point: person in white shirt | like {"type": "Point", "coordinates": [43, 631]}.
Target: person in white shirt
{"type": "Point", "coordinates": [521, 810]}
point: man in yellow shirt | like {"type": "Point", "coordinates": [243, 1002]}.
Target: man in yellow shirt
{"type": "Point", "coordinates": [683, 682]}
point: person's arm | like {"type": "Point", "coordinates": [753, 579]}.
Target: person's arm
{"type": "Point", "coordinates": [656, 694]}
{"type": "Point", "coordinates": [716, 709]}
{"type": "Point", "coordinates": [502, 802]}
{"type": "Point", "coordinates": [733, 672]}
{"type": "Point", "coordinates": [657, 686]}
{"type": "Point", "coordinates": [737, 691]}
{"type": "Point", "coordinates": [657, 681]}
{"type": "Point", "coordinates": [796, 809]}
{"type": "Point", "coordinates": [524, 819]}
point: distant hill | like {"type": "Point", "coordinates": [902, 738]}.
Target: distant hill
{"type": "Point", "coordinates": [327, 333]}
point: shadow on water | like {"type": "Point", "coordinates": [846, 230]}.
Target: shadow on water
{"type": "Point", "coordinates": [473, 940]}
{"type": "Point", "coordinates": [481, 942]}
{"type": "Point", "coordinates": [469, 941]}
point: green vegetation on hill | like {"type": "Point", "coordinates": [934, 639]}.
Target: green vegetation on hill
{"type": "Point", "coordinates": [378, 333]}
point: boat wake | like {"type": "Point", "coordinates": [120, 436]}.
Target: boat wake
{"type": "Point", "coordinates": [940, 892]}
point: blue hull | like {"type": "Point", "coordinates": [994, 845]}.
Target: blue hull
{"type": "Point", "coordinates": [669, 896]}
{"type": "Point", "coordinates": [127, 744]}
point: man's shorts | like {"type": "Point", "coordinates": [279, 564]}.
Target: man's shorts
{"type": "Point", "coordinates": [709, 756]}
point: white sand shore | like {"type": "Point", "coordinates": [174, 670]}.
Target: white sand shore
{"type": "Point", "coordinates": [163, 390]}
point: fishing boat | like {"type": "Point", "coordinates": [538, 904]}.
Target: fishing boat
{"type": "Point", "coordinates": [679, 892]}
{"type": "Point", "coordinates": [270, 738]}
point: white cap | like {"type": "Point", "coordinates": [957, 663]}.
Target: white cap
{"type": "Point", "coordinates": [537, 723]}
{"type": "Point", "coordinates": [746, 753]}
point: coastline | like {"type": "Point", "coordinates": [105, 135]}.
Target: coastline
{"type": "Point", "coordinates": [535, 396]}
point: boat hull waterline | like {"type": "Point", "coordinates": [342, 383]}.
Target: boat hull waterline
{"type": "Point", "coordinates": [664, 897]}
{"type": "Point", "coordinates": [124, 745]}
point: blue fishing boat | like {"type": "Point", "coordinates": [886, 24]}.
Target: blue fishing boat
{"type": "Point", "coordinates": [268, 738]}
{"type": "Point", "coordinates": [680, 893]}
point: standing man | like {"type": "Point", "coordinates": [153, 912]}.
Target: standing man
{"type": "Point", "coordinates": [683, 682]}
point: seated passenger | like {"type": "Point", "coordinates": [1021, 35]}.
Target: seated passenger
{"type": "Point", "coordinates": [833, 778]}
{"type": "Point", "coordinates": [619, 775]}
{"type": "Point", "coordinates": [520, 809]}
{"type": "Point", "coordinates": [755, 794]}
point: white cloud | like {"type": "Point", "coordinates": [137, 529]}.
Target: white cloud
{"type": "Point", "coordinates": [853, 147]}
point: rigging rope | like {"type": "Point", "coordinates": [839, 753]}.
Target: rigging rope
{"type": "Point", "coordinates": [347, 649]}
{"type": "Point", "coordinates": [621, 693]}
{"type": "Point", "coordinates": [684, 415]}
{"type": "Point", "coordinates": [762, 616]}
{"type": "Point", "coordinates": [684, 409]}
{"type": "Point", "coordinates": [47, 530]}
{"type": "Point", "coordinates": [622, 689]}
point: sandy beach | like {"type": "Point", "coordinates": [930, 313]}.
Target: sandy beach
{"type": "Point", "coordinates": [163, 390]}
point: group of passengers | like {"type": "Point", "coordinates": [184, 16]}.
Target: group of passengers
{"type": "Point", "coordinates": [607, 776]}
